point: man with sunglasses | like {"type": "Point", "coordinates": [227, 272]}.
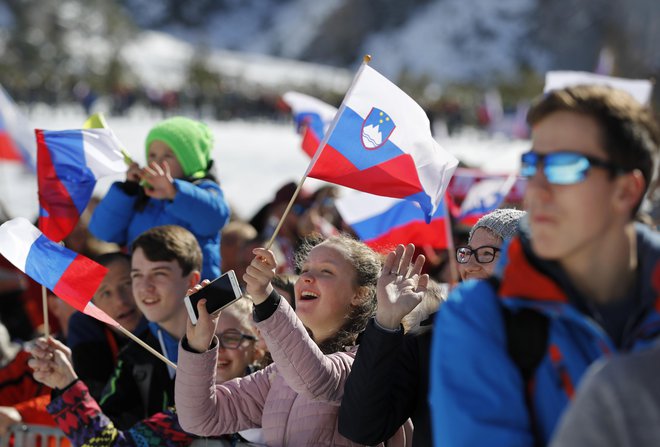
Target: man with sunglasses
{"type": "Point", "coordinates": [574, 286]}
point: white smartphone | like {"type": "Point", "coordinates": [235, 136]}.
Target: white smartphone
{"type": "Point", "coordinates": [219, 293]}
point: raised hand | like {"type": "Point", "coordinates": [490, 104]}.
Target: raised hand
{"type": "Point", "coordinates": [401, 286]}
{"type": "Point", "coordinates": [259, 274]}
{"type": "Point", "coordinates": [200, 335]}
{"type": "Point", "coordinates": [160, 184]}
{"type": "Point", "coordinates": [134, 172]}
{"type": "Point", "coordinates": [51, 362]}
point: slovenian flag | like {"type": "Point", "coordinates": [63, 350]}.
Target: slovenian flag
{"type": "Point", "coordinates": [68, 164]}
{"type": "Point", "coordinates": [383, 222]}
{"type": "Point", "coordinates": [381, 143]}
{"type": "Point", "coordinates": [312, 117]}
{"type": "Point", "coordinates": [483, 197]}
{"type": "Point", "coordinates": [71, 276]}
{"type": "Point", "coordinates": [16, 142]}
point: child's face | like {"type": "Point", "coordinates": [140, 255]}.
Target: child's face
{"type": "Point", "coordinates": [325, 291]}
{"type": "Point", "coordinates": [233, 363]}
{"type": "Point", "coordinates": [115, 295]}
{"type": "Point", "coordinates": [159, 152]}
{"type": "Point", "coordinates": [159, 288]}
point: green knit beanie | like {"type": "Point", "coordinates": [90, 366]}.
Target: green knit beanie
{"type": "Point", "coordinates": [190, 140]}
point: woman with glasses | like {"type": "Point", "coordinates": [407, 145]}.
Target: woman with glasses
{"type": "Point", "coordinates": [79, 416]}
{"type": "Point", "coordinates": [477, 260]}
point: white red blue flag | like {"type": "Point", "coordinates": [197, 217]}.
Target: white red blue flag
{"type": "Point", "coordinates": [71, 276]}
{"type": "Point", "coordinates": [381, 143]}
{"type": "Point", "coordinates": [68, 164]}
{"type": "Point", "coordinates": [384, 222]}
{"type": "Point", "coordinates": [312, 117]}
{"type": "Point", "coordinates": [16, 141]}
{"type": "Point", "coordinates": [483, 197]}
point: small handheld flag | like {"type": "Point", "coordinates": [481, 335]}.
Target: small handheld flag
{"type": "Point", "coordinates": [68, 164]}
{"type": "Point", "coordinates": [383, 222]}
{"type": "Point", "coordinates": [312, 117]}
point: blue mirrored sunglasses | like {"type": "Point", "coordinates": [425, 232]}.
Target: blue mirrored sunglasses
{"type": "Point", "coordinates": [562, 168]}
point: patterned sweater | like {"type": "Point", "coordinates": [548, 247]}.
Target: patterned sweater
{"type": "Point", "coordinates": [79, 416]}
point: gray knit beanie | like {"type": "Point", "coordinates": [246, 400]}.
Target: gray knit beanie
{"type": "Point", "coordinates": [502, 222]}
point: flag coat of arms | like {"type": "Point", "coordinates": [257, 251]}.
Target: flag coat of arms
{"type": "Point", "coordinates": [68, 164]}
{"type": "Point", "coordinates": [381, 143]}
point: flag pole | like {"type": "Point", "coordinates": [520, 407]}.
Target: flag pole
{"type": "Point", "coordinates": [130, 335]}
{"type": "Point", "coordinates": [365, 61]}
{"type": "Point", "coordinates": [44, 303]}
{"type": "Point", "coordinates": [453, 268]}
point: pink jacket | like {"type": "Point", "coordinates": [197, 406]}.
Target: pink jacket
{"type": "Point", "coordinates": [295, 400]}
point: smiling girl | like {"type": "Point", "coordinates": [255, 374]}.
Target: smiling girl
{"type": "Point", "coordinates": [296, 399]}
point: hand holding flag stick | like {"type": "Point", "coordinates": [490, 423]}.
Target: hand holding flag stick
{"type": "Point", "coordinates": [71, 276]}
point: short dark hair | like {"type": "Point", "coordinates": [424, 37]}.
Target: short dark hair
{"type": "Point", "coordinates": [630, 135]}
{"type": "Point", "coordinates": [169, 243]}
{"type": "Point", "coordinates": [106, 259]}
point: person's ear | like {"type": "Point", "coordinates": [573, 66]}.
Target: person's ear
{"type": "Point", "coordinates": [194, 278]}
{"type": "Point", "coordinates": [360, 295]}
{"type": "Point", "coordinates": [629, 191]}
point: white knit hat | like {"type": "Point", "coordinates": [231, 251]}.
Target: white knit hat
{"type": "Point", "coordinates": [502, 222]}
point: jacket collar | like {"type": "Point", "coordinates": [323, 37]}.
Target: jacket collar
{"type": "Point", "coordinates": [521, 279]}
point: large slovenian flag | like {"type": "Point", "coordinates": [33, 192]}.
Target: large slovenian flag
{"type": "Point", "coordinates": [16, 141]}
{"type": "Point", "coordinates": [71, 276]}
{"type": "Point", "coordinates": [383, 222]}
{"type": "Point", "coordinates": [312, 117]}
{"type": "Point", "coordinates": [483, 197]}
{"type": "Point", "coordinates": [381, 143]}
{"type": "Point", "coordinates": [68, 164]}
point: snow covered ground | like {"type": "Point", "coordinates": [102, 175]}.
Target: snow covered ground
{"type": "Point", "coordinates": [253, 159]}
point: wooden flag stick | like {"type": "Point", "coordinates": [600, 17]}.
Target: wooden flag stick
{"type": "Point", "coordinates": [130, 335]}
{"type": "Point", "coordinates": [44, 303]}
{"type": "Point", "coordinates": [453, 267]}
{"type": "Point", "coordinates": [317, 154]}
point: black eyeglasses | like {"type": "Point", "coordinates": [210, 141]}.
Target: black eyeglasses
{"type": "Point", "coordinates": [564, 167]}
{"type": "Point", "coordinates": [232, 338]}
{"type": "Point", "coordinates": [484, 254]}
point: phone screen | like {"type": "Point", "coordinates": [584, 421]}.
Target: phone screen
{"type": "Point", "coordinates": [220, 293]}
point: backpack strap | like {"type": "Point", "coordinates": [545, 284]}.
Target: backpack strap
{"type": "Point", "coordinates": [527, 334]}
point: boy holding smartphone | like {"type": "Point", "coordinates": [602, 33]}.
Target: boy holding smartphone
{"type": "Point", "coordinates": [166, 261]}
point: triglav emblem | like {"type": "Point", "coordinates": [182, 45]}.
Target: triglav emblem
{"type": "Point", "coordinates": [376, 129]}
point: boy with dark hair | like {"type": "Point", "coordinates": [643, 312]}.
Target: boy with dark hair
{"type": "Point", "coordinates": [165, 263]}
{"type": "Point", "coordinates": [574, 286]}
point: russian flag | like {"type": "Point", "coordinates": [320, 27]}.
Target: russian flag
{"type": "Point", "coordinates": [312, 117]}
{"type": "Point", "coordinates": [68, 164]}
{"type": "Point", "coordinates": [16, 142]}
{"type": "Point", "coordinates": [381, 143]}
{"type": "Point", "coordinates": [384, 222]}
{"type": "Point", "coordinates": [483, 197]}
{"type": "Point", "coordinates": [71, 276]}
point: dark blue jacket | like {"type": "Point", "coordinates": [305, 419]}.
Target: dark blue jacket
{"type": "Point", "coordinates": [477, 394]}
